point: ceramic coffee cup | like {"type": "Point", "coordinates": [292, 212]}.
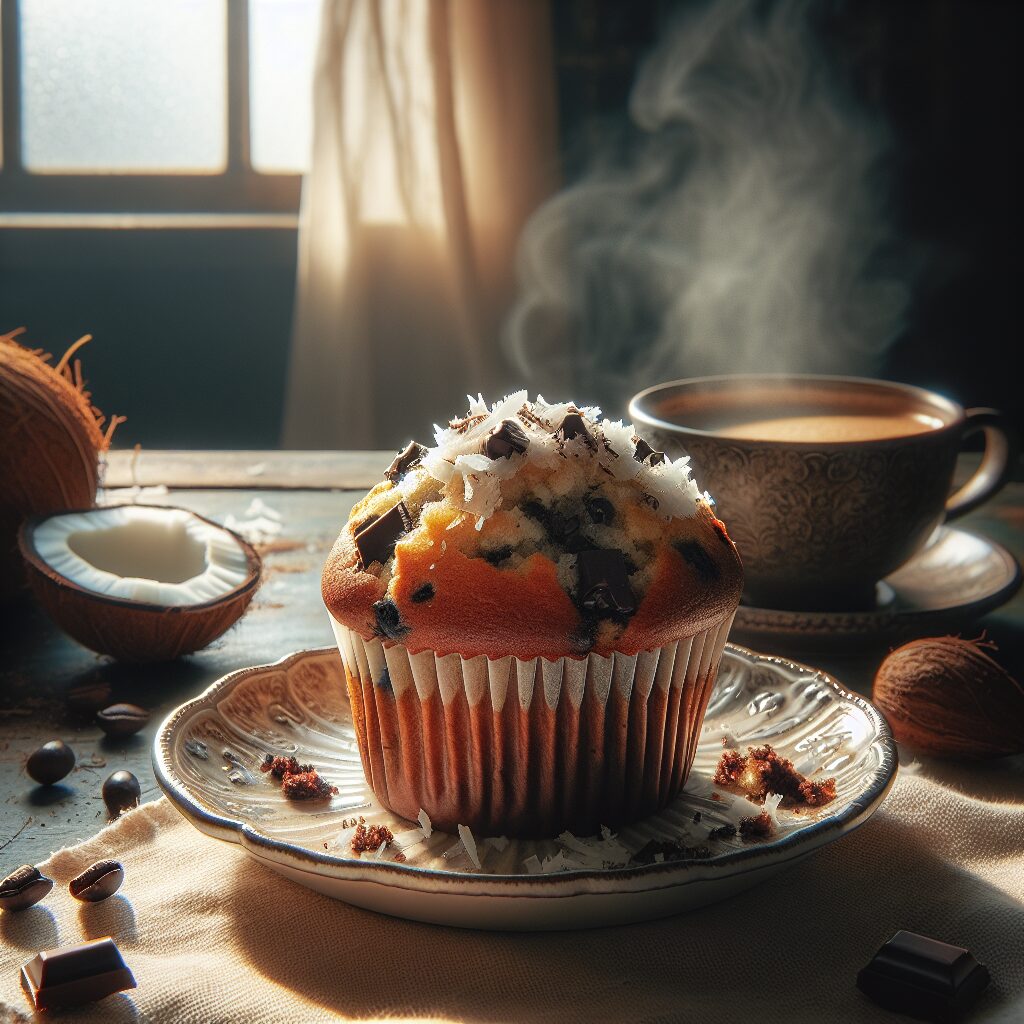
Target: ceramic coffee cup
{"type": "Point", "coordinates": [826, 484]}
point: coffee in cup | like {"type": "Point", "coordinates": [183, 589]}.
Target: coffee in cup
{"type": "Point", "coordinates": [826, 484]}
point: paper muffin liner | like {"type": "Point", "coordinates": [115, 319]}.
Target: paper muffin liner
{"type": "Point", "coordinates": [528, 747]}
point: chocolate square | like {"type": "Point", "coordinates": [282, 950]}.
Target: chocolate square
{"type": "Point", "coordinates": [923, 977]}
{"type": "Point", "coordinates": [375, 540]}
{"type": "Point", "coordinates": [506, 440]}
{"type": "Point", "coordinates": [75, 975]}
{"type": "Point", "coordinates": [603, 583]}
{"type": "Point", "coordinates": [410, 456]}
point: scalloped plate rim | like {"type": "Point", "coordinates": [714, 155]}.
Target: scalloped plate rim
{"type": "Point", "coordinates": [666, 875]}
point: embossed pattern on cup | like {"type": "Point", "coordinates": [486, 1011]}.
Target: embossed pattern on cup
{"type": "Point", "coordinates": [819, 522]}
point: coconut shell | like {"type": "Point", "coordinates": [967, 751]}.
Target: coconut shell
{"type": "Point", "coordinates": [947, 697]}
{"type": "Point", "coordinates": [50, 445]}
{"type": "Point", "coordinates": [131, 630]}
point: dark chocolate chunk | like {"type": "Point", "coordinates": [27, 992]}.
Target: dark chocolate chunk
{"type": "Point", "coordinates": [75, 975]}
{"type": "Point", "coordinates": [650, 501]}
{"type": "Point", "coordinates": [97, 882]}
{"type": "Point", "coordinates": [562, 527]}
{"type": "Point", "coordinates": [23, 888]}
{"type": "Point", "coordinates": [389, 620]}
{"type": "Point", "coordinates": [695, 554]}
{"type": "Point", "coordinates": [411, 455]}
{"type": "Point", "coordinates": [424, 592]}
{"type": "Point", "coordinates": [600, 510]}
{"type": "Point", "coordinates": [574, 425]}
{"type": "Point", "coordinates": [122, 719]}
{"type": "Point", "coordinates": [498, 555]}
{"type": "Point", "coordinates": [576, 542]}
{"type": "Point", "coordinates": [376, 539]}
{"type": "Point", "coordinates": [120, 792]}
{"type": "Point", "coordinates": [51, 762]}
{"type": "Point", "coordinates": [645, 453]}
{"type": "Point", "coordinates": [603, 584]}
{"type": "Point", "coordinates": [923, 977]}
{"type": "Point", "coordinates": [535, 510]}
{"type": "Point", "coordinates": [506, 440]}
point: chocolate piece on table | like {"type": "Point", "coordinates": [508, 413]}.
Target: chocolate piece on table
{"type": "Point", "coordinates": [24, 888]}
{"type": "Point", "coordinates": [74, 975]}
{"type": "Point", "coordinates": [603, 582]}
{"type": "Point", "coordinates": [923, 977]}
{"type": "Point", "coordinates": [572, 426]}
{"type": "Point", "coordinates": [506, 440]}
{"type": "Point", "coordinates": [375, 541]}
{"type": "Point", "coordinates": [645, 453]}
{"type": "Point", "coordinates": [410, 456]}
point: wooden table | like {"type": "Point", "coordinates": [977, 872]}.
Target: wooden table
{"type": "Point", "coordinates": [50, 687]}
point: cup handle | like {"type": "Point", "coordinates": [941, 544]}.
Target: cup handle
{"type": "Point", "coordinates": [997, 462]}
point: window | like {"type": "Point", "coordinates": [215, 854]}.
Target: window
{"type": "Point", "coordinates": [155, 106]}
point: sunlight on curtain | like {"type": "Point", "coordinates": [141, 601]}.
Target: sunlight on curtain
{"type": "Point", "coordinates": [434, 138]}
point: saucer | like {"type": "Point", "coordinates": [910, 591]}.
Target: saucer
{"type": "Point", "coordinates": [207, 753]}
{"type": "Point", "coordinates": [956, 578]}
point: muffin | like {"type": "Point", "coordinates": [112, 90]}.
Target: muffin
{"type": "Point", "coordinates": [531, 614]}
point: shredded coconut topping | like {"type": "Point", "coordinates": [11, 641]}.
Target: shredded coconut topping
{"type": "Point", "coordinates": [472, 480]}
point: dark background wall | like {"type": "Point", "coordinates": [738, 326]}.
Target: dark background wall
{"type": "Point", "coordinates": [191, 326]}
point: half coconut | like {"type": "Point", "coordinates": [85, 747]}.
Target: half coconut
{"type": "Point", "coordinates": [139, 582]}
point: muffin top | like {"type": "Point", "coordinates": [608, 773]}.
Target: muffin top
{"type": "Point", "coordinates": [533, 529]}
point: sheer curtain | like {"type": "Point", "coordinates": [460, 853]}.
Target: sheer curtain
{"type": "Point", "coordinates": [434, 138]}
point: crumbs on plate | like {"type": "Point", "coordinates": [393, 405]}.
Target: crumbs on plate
{"type": "Point", "coordinates": [762, 771]}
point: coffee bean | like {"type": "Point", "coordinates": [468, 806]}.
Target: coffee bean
{"type": "Point", "coordinates": [98, 882]}
{"type": "Point", "coordinates": [90, 695]}
{"type": "Point", "coordinates": [51, 762]}
{"type": "Point", "coordinates": [122, 719]}
{"type": "Point", "coordinates": [23, 888]}
{"type": "Point", "coordinates": [121, 791]}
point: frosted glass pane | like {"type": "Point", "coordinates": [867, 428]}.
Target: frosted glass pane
{"type": "Point", "coordinates": [282, 50]}
{"type": "Point", "coordinates": [124, 85]}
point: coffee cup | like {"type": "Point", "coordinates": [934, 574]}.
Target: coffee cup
{"type": "Point", "coordinates": [826, 484]}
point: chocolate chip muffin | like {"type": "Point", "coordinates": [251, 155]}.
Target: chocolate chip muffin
{"type": "Point", "coordinates": [531, 615]}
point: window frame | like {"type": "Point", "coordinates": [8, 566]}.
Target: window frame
{"type": "Point", "coordinates": [238, 189]}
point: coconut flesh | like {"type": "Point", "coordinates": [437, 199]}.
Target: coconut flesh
{"type": "Point", "coordinates": [146, 554]}
{"type": "Point", "coordinates": [139, 582]}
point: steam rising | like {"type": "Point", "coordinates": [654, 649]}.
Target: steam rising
{"type": "Point", "coordinates": [737, 229]}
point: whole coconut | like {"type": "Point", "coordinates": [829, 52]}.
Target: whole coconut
{"type": "Point", "coordinates": [51, 438]}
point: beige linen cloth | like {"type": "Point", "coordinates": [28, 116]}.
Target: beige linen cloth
{"type": "Point", "coordinates": [212, 936]}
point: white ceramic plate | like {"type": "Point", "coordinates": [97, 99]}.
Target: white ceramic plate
{"type": "Point", "coordinates": [207, 753]}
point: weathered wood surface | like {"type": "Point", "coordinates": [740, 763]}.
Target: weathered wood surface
{"type": "Point", "coordinates": [328, 470]}
{"type": "Point", "coordinates": [45, 677]}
